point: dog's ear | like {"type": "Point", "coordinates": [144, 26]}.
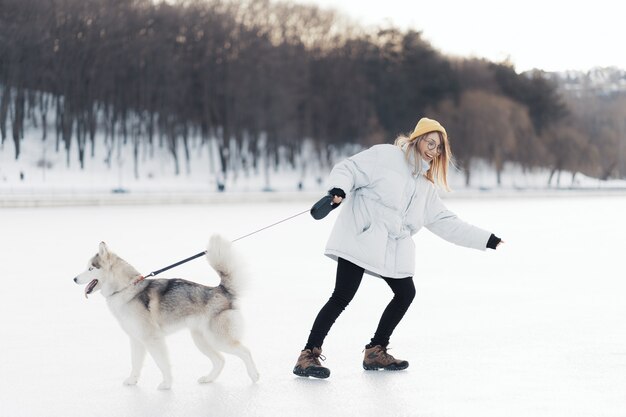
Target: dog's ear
{"type": "Point", "coordinates": [103, 251]}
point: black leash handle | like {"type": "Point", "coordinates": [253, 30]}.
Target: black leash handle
{"type": "Point", "coordinates": [197, 255]}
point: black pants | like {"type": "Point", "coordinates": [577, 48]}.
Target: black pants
{"type": "Point", "coordinates": [347, 283]}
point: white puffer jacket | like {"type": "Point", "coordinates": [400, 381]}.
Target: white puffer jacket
{"type": "Point", "coordinates": [385, 206]}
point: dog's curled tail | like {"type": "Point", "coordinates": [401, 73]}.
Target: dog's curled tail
{"type": "Point", "coordinates": [226, 263]}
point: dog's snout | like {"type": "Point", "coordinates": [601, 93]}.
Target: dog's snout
{"type": "Point", "coordinates": [76, 280]}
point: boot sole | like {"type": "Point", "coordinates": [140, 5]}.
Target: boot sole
{"type": "Point", "coordinates": [392, 367]}
{"type": "Point", "coordinates": [321, 373]}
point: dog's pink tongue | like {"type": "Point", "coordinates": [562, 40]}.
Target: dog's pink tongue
{"type": "Point", "coordinates": [89, 288]}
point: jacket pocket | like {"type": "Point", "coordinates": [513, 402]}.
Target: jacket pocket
{"type": "Point", "coordinates": [361, 215]}
{"type": "Point", "coordinates": [370, 246]}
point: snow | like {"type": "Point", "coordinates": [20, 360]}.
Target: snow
{"type": "Point", "coordinates": [535, 328]}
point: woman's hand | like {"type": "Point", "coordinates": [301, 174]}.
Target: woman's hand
{"type": "Point", "coordinates": [338, 195]}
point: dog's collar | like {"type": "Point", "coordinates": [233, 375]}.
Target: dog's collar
{"type": "Point", "coordinates": [138, 279]}
{"type": "Point", "coordinates": [132, 284]}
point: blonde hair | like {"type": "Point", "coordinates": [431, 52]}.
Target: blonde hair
{"type": "Point", "coordinates": [438, 171]}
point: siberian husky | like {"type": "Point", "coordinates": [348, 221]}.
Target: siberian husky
{"type": "Point", "coordinates": [150, 309]}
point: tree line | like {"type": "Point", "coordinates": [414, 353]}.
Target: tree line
{"type": "Point", "coordinates": [252, 79]}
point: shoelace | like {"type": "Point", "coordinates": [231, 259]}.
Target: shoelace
{"type": "Point", "coordinates": [315, 357]}
{"type": "Point", "coordinates": [386, 355]}
{"type": "Point", "coordinates": [383, 352]}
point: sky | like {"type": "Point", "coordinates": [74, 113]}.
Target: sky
{"type": "Point", "coordinates": [535, 328]}
{"type": "Point", "coordinates": [549, 35]}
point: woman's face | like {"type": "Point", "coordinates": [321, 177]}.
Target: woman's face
{"type": "Point", "coordinates": [430, 146]}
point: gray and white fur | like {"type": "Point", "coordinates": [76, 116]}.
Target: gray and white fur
{"type": "Point", "coordinates": [150, 309]}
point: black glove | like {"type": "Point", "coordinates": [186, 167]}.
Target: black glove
{"type": "Point", "coordinates": [493, 241]}
{"type": "Point", "coordinates": [325, 205]}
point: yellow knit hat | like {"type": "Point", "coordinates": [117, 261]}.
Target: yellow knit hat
{"type": "Point", "coordinates": [426, 125]}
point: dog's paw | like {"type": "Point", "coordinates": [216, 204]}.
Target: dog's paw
{"type": "Point", "coordinates": [165, 385]}
{"type": "Point", "coordinates": [254, 376]}
{"type": "Point", "coordinates": [207, 379]}
{"type": "Point", "coordinates": [131, 380]}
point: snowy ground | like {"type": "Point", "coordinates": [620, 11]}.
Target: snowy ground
{"type": "Point", "coordinates": [535, 329]}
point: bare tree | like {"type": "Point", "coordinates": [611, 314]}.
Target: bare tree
{"type": "Point", "coordinates": [570, 150]}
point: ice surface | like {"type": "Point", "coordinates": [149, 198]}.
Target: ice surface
{"type": "Point", "coordinates": [535, 328]}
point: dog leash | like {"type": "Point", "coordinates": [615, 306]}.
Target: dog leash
{"type": "Point", "coordinates": [197, 255]}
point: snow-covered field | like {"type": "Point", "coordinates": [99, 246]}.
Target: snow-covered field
{"type": "Point", "coordinates": [534, 329]}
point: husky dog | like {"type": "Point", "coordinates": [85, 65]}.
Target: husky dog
{"type": "Point", "coordinates": [150, 309]}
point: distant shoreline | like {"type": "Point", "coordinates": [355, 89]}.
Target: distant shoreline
{"type": "Point", "coordinates": [78, 199]}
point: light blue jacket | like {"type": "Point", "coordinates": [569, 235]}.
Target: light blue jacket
{"type": "Point", "coordinates": [385, 205]}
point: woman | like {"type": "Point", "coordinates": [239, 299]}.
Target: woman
{"type": "Point", "coordinates": [389, 193]}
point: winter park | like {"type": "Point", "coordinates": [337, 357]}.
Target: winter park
{"type": "Point", "coordinates": [153, 126]}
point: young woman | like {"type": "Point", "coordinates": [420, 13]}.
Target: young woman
{"type": "Point", "coordinates": [389, 193]}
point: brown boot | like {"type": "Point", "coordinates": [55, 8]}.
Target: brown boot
{"type": "Point", "coordinates": [377, 357]}
{"type": "Point", "coordinates": [309, 364]}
